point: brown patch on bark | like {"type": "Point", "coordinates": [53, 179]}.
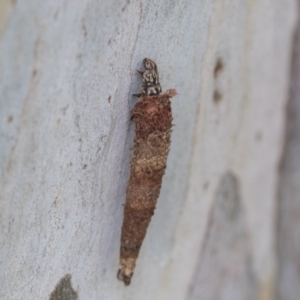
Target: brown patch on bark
{"type": "Point", "coordinates": [153, 118]}
{"type": "Point", "coordinates": [64, 290]}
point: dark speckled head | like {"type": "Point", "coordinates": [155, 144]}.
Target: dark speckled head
{"type": "Point", "coordinates": [149, 64]}
{"type": "Point", "coordinates": [150, 77]}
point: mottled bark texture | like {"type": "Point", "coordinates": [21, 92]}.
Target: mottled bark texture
{"type": "Point", "coordinates": [288, 238]}
{"type": "Point", "coordinates": [153, 118]}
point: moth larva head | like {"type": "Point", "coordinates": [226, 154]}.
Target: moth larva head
{"type": "Point", "coordinates": [151, 86]}
{"type": "Point", "coordinates": [149, 64]}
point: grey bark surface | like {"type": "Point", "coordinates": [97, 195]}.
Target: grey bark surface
{"type": "Point", "coordinates": [67, 73]}
{"type": "Point", "coordinates": [289, 190]}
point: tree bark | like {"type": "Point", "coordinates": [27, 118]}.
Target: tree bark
{"type": "Point", "coordinates": [288, 234]}
{"type": "Point", "coordinates": [67, 75]}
